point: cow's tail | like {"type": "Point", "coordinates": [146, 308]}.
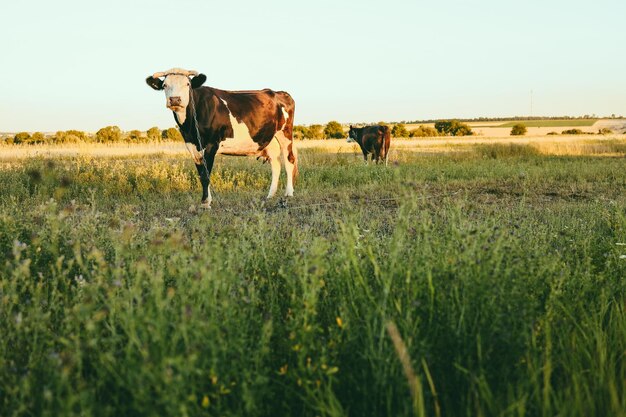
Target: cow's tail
{"type": "Point", "coordinates": [293, 158]}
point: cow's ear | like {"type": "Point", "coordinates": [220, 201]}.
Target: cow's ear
{"type": "Point", "coordinates": [155, 83]}
{"type": "Point", "coordinates": [198, 80]}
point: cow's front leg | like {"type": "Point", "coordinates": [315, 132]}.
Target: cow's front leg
{"type": "Point", "coordinates": [195, 154]}
{"type": "Point", "coordinates": [205, 181]}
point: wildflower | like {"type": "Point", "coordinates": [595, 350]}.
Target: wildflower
{"type": "Point", "coordinates": [283, 369]}
{"type": "Point", "coordinates": [205, 401]}
{"type": "Point", "coordinates": [339, 322]}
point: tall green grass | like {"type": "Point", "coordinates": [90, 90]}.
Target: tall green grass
{"type": "Point", "coordinates": [502, 270]}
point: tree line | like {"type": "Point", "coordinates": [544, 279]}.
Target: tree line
{"type": "Point", "coordinates": [108, 134]}
{"type": "Point", "coordinates": [332, 130]}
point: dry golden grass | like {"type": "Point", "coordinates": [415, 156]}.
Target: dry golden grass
{"type": "Point", "coordinates": [548, 145]}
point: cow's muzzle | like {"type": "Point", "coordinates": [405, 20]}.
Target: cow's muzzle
{"type": "Point", "coordinates": [175, 102]}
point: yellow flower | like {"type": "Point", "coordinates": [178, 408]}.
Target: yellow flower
{"type": "Point", "coordinates": [339, 322]}
{"type": "Point", "coordinates": [283, 369]}
{"type": "Point", "coordinates": [205, 402]}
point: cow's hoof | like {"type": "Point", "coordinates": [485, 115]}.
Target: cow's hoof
{"type": "Point", "coordinates": [205, 205]}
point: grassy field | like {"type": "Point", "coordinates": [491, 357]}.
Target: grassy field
{"type": "Point", "coordinates": [502, 269]}
{"type": "Point", "coordinates": [552, 123]}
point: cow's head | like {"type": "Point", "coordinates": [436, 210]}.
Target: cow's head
{"type": "Point", "coordinates": [176, 84]}
{"type": "Point", "coordinates": [352, 134]}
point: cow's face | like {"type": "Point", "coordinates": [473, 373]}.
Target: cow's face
{"type": "Point", "coordinates": [352, 135]}
{"type": "Point", "coordinates": [176, 86]}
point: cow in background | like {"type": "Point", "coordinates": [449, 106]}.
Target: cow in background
{"type": "Point", "coordinates": [373, 140]}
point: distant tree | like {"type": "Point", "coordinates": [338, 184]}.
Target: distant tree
{"type": "Point", "coordinates": [316, 132]}
{"type": "Point", "coordinates": [399, 131]}
{"type": "Point", "coordinates": [77, 134]}
{"type": "Point", "coordinates": [154, 134]}
{"type": "Point", "coordinates": [423, 132]}
{"type": "Point", "coordinates": [69, 136]}
{"type": "Point", "coordinates": [553, 133]}
{"type": "Point", "coordinates": [173, 134]}
{"type": "Point", "coordinates": [334, 130]}
{"type": "Point", "coordinates": [518, 130]}
{"type": "Point", "coordinates": [453, 128]}
{"type": "Point", "coordinates": [22, 137]}
{"type": "Point", "coordinates": [109, 134]}
{"type": "Point", "coordinates": [37, 137]}
{"type": "Point", "coordinates": [382, 123]}
{"type": "Point", "coordinates": [605, 131]}
{"type": "Point", "coordinates": [134, 135]}
{"type": "Point", "coordinates": [300, 132]}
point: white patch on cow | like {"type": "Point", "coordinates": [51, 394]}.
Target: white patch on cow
{"type": "Point", "coordinates": [177, 86]}
{"type": "Point", "coordinates": [241, 143]}
{"type": "Point", "coordinates": [197, 156]}
{"type": "Point", "coordinates": [206, 204]}
{"type": "Point", "coordinates": [286, 115]}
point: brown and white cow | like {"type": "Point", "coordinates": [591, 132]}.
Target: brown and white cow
{"type": "Point", "coordinates": [372, 139]}
{"type": "Point", "coordinates": [257, 122]}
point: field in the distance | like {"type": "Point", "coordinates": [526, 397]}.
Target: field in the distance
{"type": "Point", "coordinates": [538, 128]}
{"type": "Point", "coordinates": [552, 123]}
{"type": "Point", "coordinates": [501, 264]}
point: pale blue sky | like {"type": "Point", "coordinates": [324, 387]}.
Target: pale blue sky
{"type": "Point", "coordinates": [69, 64]}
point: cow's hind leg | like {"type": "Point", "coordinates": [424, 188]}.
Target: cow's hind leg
{"type": "Point", "coordinates": [272, 152]}
{"type": "Point", "coordinates": [290, 159]}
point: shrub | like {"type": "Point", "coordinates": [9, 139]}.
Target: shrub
{"type": "Point", "coordinates": [453, 128]}
{"type": "Point", "coordinates": [518, 130]}
{"type": "Point", "coordinates": [300, 132]}
{"type": "Point", "coordinates": [109, 134]}
{"type": "Point", "coordinates": [423, 132]}
{"type": "Point", "coordinates": [572, 132]}
{"type": "Point", "coordinates": [154, 134]}
{"type": "Point", "coordinates": [334, 130]}
{"type": "Point", "coordinates": [605, 131]}
{"type": "Point", "coordinates": [316, 132]}
{"type": "Point", "coordinates": [553, 133]}
{"type": "Point", "coordinates": [399, 131]}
